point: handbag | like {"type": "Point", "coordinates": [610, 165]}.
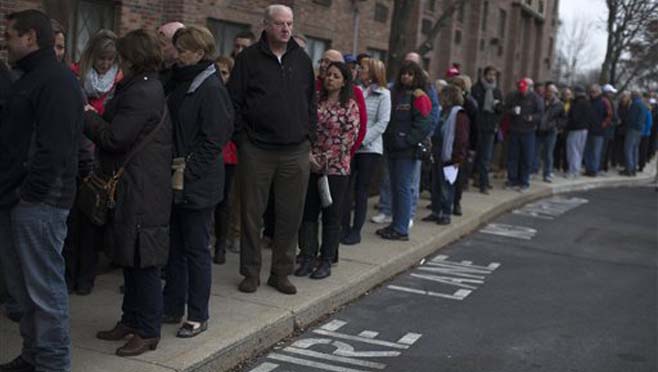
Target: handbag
{"type": "Point", "coordinates": [424, 151]}
{"type": "Point", "coordinates": [97, 194]}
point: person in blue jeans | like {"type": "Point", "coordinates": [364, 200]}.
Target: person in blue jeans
{"type": "Point", "coordinates": [39, 137]}
{"type": "Point", "coordinates": [554, 119]}
{"type": "Point", "coordinates": [635, 121]}
{"type": "Point", "coordinates": [526, 109]}
{"type": "Point", "coordinates": [603, 113]}
{"type": "Point", "coordinates": [409, 125]}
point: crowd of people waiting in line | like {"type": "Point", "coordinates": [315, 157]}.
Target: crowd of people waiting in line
{"type": "Point", "coordinates": [263, 146]}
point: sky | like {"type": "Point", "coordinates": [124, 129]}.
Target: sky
{"type": "Point", "coordinates": [594, 11]}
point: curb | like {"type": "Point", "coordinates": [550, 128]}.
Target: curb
{"type": "Point", "coordinates": [231, 357]}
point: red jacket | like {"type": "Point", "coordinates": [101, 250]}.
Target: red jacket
{"type": "Point", "coordinates": [363, 113]}
{"type": "Point", "coordinates": [98, 103]}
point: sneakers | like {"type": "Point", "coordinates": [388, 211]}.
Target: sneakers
{"type": "Point", "coordinates": [548, 179]}
{"type": "Point", "coordinates": [411, 223]}
{"type": "Point", "coordinates": [381, 218]}
{"type": "Point", "coordinates": [524, 189]}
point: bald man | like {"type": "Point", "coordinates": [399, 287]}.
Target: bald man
{"type": "Point", "coordinates": [165, 34]}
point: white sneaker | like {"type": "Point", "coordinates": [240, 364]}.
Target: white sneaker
{"type": "Point", "coordinates": [411, 224]}
{"type": "Point", "coordinates": [381, 219]}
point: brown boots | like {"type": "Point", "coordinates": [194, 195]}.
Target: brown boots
{"type": "Point", "coordinates": [136, 345]}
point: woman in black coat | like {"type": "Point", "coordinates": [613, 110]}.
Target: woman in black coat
{"type": "Point", "coordinates": [202, 118]}
{"type": "Point", "coordinates": [137, 235]}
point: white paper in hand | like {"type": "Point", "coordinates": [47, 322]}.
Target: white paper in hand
{"type": "Point", "coordinates": [450, 173]}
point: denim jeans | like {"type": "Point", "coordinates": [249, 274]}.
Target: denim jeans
{"type": "Point", "coordinates": [401, 173]}
{"type": "Point", "coordinates": [385, 198]}
{"type": "Point", "coordinates": [485, 152]}
{"type": "Point", "coordinates": [593, 149]}
{"type": "Point", "coordinates": [415, 187]}
{"type": "Point", "coordinates": [632, 149]}
{"type": "Point", "coordinates": [575, 146]}
{"type": "Point", "coordinates": [32, 237]}
{"type": "Point", "coordinates": [188, 271]}
{"type": "Point", "coordinates": [545, 147]}
{"type": "Point", "coordinates": [520, 155]}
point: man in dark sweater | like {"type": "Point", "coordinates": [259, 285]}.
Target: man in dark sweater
{"type": "Point", "coordinates": [602, 111]}
{"type": "Point", "coordinates": [526, 109]}
{"type": "Point", "coordinates": [272, 87]}
{"type": "Point", "coordinates": [39, 140]}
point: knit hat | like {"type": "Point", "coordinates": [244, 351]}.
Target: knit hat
{"type": "Point", "coordinates": [522, 85]}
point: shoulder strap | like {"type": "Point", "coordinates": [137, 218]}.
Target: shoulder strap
{"type": "Point", "coordinates": [142, 144]}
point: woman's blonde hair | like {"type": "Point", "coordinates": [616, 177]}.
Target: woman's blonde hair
{"type": "Point", "coordinates": [104, 41]}
{"type": "Point", "coordinates": [377, 72]}
{"type": "Point", "coordinates": [195, 38]}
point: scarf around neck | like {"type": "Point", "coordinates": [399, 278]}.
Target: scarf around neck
{"type": "Point", "coordinates": [488, 95]}
{"type": "Point", "coordinates": [448, 132]}
{"type": "Point", "coordinates": [96, 85]}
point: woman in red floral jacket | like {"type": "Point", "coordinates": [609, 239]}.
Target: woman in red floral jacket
{"type": "Point", "coordinates": [337, 130]}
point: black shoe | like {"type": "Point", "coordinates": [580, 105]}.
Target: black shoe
{"type": "Point", "coordinates": [394, 235]}
{"type": "Point", "coordinates": [249, 284]}
{"type": "Point", "coordinates": [354, 237]}
{"type": "Point", "coordinates": [484, 191]}
{"type": "Point", "coordinates": [384, 230]}
{"type": "Point", "coordinates": [443, 220]}
{"type": "Point", "coordinates": [84, 291]}
{"type": "Point", "coordinates": [171, 319]}
{"type": "Point", "coordinates": [15, 316]}
{"type": "Point", "coordinates": [282, 284]}
{"type": "Point", "coordinates": [430, 218]}
{"type": "Point", "coordinates": [323, 270]}
{"type": "Point", "coordinates": [187, 330]}
{"type": "Point", "coordinates": [17, 365]}
{"type": "Point", "coordinates": [306, 267]}
{"type": "Point", "coordinates": [457, 210]}
{"type": "Point", "coordinates": [220, 255]}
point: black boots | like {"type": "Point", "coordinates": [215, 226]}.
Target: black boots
{"type": "Point", "coordinates": [308, 239]}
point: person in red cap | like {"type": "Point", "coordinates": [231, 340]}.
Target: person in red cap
{"type": "Point", "coordinates": [452, 71]}
{"type": "Point", "coordinates": [525, 109]}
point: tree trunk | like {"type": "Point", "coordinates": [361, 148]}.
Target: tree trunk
{"type": "Point", "coordinates": [399, 42]}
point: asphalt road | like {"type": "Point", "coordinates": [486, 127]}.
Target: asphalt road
{"type": "Point", "coordinates": [564, 284]}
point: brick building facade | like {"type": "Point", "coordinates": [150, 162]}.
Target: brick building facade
{"type": "Point", "coordinates": [517, 36]}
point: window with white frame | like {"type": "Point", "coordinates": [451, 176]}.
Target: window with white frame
{"type": "Point", "coordinates": [224, 33]}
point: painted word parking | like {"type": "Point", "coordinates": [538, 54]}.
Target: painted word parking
{"type": "Point", "coordinates": [464, 275]}
{"type": "Point", "coordinates": [345, 357]}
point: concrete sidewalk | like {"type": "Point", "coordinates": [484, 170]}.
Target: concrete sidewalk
{"type": "Point", "coordinates": [242, 325]}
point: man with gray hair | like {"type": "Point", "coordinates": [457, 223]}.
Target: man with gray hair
{"type": "Point", "coordinates": [272, 87]}
{"type": "Point", "coordinates": [602, 111]}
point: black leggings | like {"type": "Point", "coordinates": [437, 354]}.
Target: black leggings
{"type": "Point", "coordinates": [223, 209]}
{"type": "Point", "coordinates": [363, 167]}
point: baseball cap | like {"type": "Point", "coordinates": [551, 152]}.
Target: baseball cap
{"type": "Point", "coordinates": [522, 85]}
{"type": "Point", "coordinates": [609, 89]}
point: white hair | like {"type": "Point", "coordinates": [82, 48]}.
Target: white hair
{"type": "Point", "coordinates": [275, 8]}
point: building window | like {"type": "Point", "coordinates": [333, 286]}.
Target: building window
{"type": "Point", "coordinates": [315, 48]}
{"type": "Point", "coordinates": [540, 7]}
{"type": "Point", "coordinates": [89, 16]}
{"type": "Point", "coordinates": [460, 13]}
{"type": "Point", "coordinates": [326, 3]}
{"type": "Point", "coordinates": [381, 13]}
{"type": "Point", "coordinates": [426, 26]}
{"type": "Point", "coordinates": [458, 37]}
{"type": "Point", "coordinates": [377, 54]}
{"type": "Point", "coordinates": [224, 33]}
{"type": "Point", "coordinates": [430, 5]}
{"type": "Point", "coordinates": [502, 24]}
{"type": "Point", "coordinates": [485, 15]}
{"type": "Point", "coordinates": [481, 45]}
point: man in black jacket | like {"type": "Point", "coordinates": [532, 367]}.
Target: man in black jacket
{"type": "Point", "coordinates": [490, 101]}
{"type": "Point", "coordinates": [39, 140]}
{"type": "Point", "coordinates": [526, 109]}
{"type": "Point", "coordinates": [272, 87]}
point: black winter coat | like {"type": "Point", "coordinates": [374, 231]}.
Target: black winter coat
{"type": "Point", "coordinates": [202, 119]}
{"type": "Point", "coordinates": [40, 133]}
{"type": "Point", "coordinates": [532, 110]}
{"type": "Point", "coordinates": [138, 234]}
{"type": "Point", "coordinates": [580, 114]}
{"type": "Point", "coordinates": [487, 122]}
{"type": "Point", "coordinates": [275, 102]}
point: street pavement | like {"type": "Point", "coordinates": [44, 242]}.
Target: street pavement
{"type": "Point", "coordinates": [243, 325]}
{"type": "Point", "coordinates": [567, 283]}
